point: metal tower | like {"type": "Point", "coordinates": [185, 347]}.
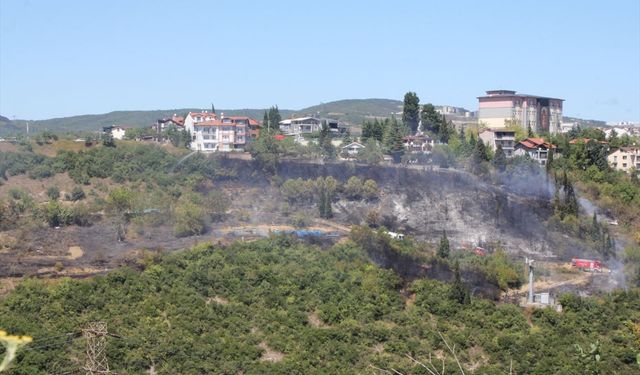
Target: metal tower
{"type": "Point", "coordinates": [95, 337]}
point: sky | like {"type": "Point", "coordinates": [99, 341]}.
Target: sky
{"type": "Point", "coordinates": [63, 58]}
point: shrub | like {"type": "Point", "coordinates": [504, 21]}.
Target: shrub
{"type": "Point", "coordinates": [77, 194]}
{"type": "Point", "coordinates": [53, 192]}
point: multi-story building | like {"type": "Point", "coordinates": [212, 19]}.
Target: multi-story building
{"type": "Point", "coordinates": [502, 137]}
{"type": "Point", "coordinates": [536, 148]}
{"type": "Point", "coordinates": [625, 159]}
{"type": "Point", "coordinates": [301, 125]}
{"type": "Point", "coordinates": [499, 108]}
{"type": "Point", "coordinates": [210, 133]}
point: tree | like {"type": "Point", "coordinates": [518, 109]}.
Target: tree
{"type": "Point", "coordinates": [478, 157]}
{"type": "Point", "coordinates": [346, 138]}
{"type": "Point", "coordinates": [325, 187]}
{"type": "Point", "coordinates": [411, 111]}
{"type": "Point", "coordinates": [443, 247]}
{"type": "Point", "coordinates": [353, 188]}
{"type": "Point", "coordinates": [107, 140]}
{"type": "Point", "coordinates": [430, 119]}
{"type": "Point", "coordinates": [395, 139]}
{"type": "Point", "coordinates": [445, 130]}
{"type": "Point", "coordinates": [570, 203]}
{"type": "Point", "coordinates": [273, 118]}
{"type": "Point", "coordinates": [459, 292]}
{"type": "Point", "coordinates": [119, 204]}
{"type": "Point", "coordinates": [213, 109]}
{"type": "Point", "coordinates": [370, 190]}
{"type": "Point", "coordinates": [500, 159]}
{"type": "Point", "coordinates": [265, 152]}
{"type": "Point", "coordinates": [324, 141]}
{"type": "Point", "coordinates": [549, 165]}
{"type": "Point", "coordinates": [371, 154]}
{"type": "Point", "coordinates": [530, 131]}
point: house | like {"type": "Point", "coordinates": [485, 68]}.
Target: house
{"type": "Point", "coordinates": [625, 159]}
{"type": "Point", "coordinates": [301, 125]}
{"type": "Point", "coordinates": [352, 149]}
{"type": "Point", "coordinates": [117, 131]}
{"type": "Point", "coordinates": [498, 108]}
{"type": "Point", "coordinates": [494, 137]}
{"type": "Point", "coordinates": [536, 148]}
{"type": "Point", "coordinates": [210, 133]}
{"type": "Point", "coordinates": [418, 143]}
{"type": "Point", "coordinates": [175, 121]}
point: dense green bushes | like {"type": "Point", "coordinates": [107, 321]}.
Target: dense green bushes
{"type": "Point", "coordinates": [208, 309]}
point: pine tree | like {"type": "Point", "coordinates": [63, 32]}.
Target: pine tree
{"type": "Point", "coordinates": [265, 122]}
{"type": "Point", "coordinates": [530, 131]}
{"type": "Point", "coordinates": [549, 165]}
{"type": "Point", "coordinates": [443, 247]}
{"type": "Point", "coordinates": [430, 119]}
{"type": "Point", "coordinates": [274, 118]}
{"type": "Point", "coordinates": [346, 137]}
{"type": "Point", "coordinates": [459, 292]}
{"type": "Point", "coordinates": [500, 159]}
{"type": "Point", "coordinates": [213, 109]}
{"type": "Point", "coordinates": [411, 111]}
{"type": "Point", "coordinates": [395, 139]}
{"type": "Point", "coordinates": [595, 227]}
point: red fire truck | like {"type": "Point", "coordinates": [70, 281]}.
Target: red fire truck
{"type": "Point", "coordinates": [587, 264]}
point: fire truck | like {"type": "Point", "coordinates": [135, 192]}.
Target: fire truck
{"type": "Point", "coordinates": [589, 265]}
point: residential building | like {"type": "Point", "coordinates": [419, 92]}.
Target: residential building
{"type": "Point", "coordinates": [117, 131]}
{"type": "Point", "coordinates": [625, 159]}
{"type": "Point", "coordinates": [175, 121]}
{"type": "Point", "coordinates": [536, 148]}
{"type": "Point", "coordinates": [301, 125]}
{"type": "Point", "coordinates": [499, 108]}
{"type": "Point", "coordinates": [210, 133]}
{"type": "Point", "coordinates": [352, 149]}
{"type": "Point", "coordinates": [418, 143]}
{"type": "Point", "coordinates": [494, 137]}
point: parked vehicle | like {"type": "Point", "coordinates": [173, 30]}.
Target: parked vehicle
{"type": "Point", "coordinates": [589, 265]}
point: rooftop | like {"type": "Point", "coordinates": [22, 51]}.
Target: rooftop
{"type": "Point", "coordinates": [511, 93]}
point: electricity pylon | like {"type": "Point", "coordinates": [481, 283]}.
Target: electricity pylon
{"type": "Point", "coordinates": [95, 336]}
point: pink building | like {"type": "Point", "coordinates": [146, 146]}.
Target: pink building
{"type": "Point", "coordinates": [500, 108]}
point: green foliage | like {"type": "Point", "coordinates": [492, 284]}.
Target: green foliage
{"type": "Point", "coordinates": [500, 159]}
{"type": "Point", "coordinates": [371, 154]}
{"type": "Point", "coordinates": [189, 216]}
{"type": "Point", "coordinates": [411, 111]}
{"type": "Point", "coordinates": [77, 194]}
{"type": "Point", "coordinates": [443, 247]}
{"type": "Point", "coordinates": [206, 310]}
{"type": "Point", "coordinates": [107, 140]}
{"type": "Point", "coordinates": [53, 193]}
{"type": "Point", "coordinates": [430, 118]}
{"type": "Point", "coordinates": [459, 292]}
{"type": "Point", "coordinates": [325, 189]}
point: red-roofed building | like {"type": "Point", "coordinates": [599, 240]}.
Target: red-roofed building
{"type": "Point", "coordinates": [536, 148]}
{"type": "Point", "coordinates": [210, 133]}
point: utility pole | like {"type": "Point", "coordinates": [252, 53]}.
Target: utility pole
{"type": "Point", "coordinates": [95, 336]}
{"type": "Point", "coordinates": [529, 263]}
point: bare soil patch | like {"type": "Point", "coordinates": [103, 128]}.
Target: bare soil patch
{"type": "Point", "coordinates": [269, 354]}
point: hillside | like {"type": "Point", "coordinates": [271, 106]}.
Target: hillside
{"type": "Point", "coordinates": [278, 306]}
{"type": "Point", "coordinates": [131, 118]}
{"type": "Point", "coordinates": [351, 111]}
{"type": "Point", "coordinates": [354, 111]}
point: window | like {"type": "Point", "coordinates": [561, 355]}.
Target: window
{"type": "Point", "coordinates": [624, 165]}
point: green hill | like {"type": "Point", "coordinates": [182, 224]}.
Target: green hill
{"type": "Point", "coordinates": [353, 111]}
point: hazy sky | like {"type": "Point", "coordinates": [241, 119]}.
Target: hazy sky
{"type": "Point", "coordinates": [61, 58]}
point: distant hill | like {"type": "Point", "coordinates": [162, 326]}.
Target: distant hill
{"type": "Point", "coordinates": [353, 111]}
{"type": "Point", "coordinates": [85, 123]}
{"type": "Point", "coordinates": [350, 111]}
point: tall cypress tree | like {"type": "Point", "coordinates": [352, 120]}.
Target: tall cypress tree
{"type": "Point", "coordinates": [411, 111]}
{"type": "Point", "coordinates": [500, 159]}
{"type": "Point", "coordinates": [459, 292]}
{"type": "Point", "coordinates": [443, 248]}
